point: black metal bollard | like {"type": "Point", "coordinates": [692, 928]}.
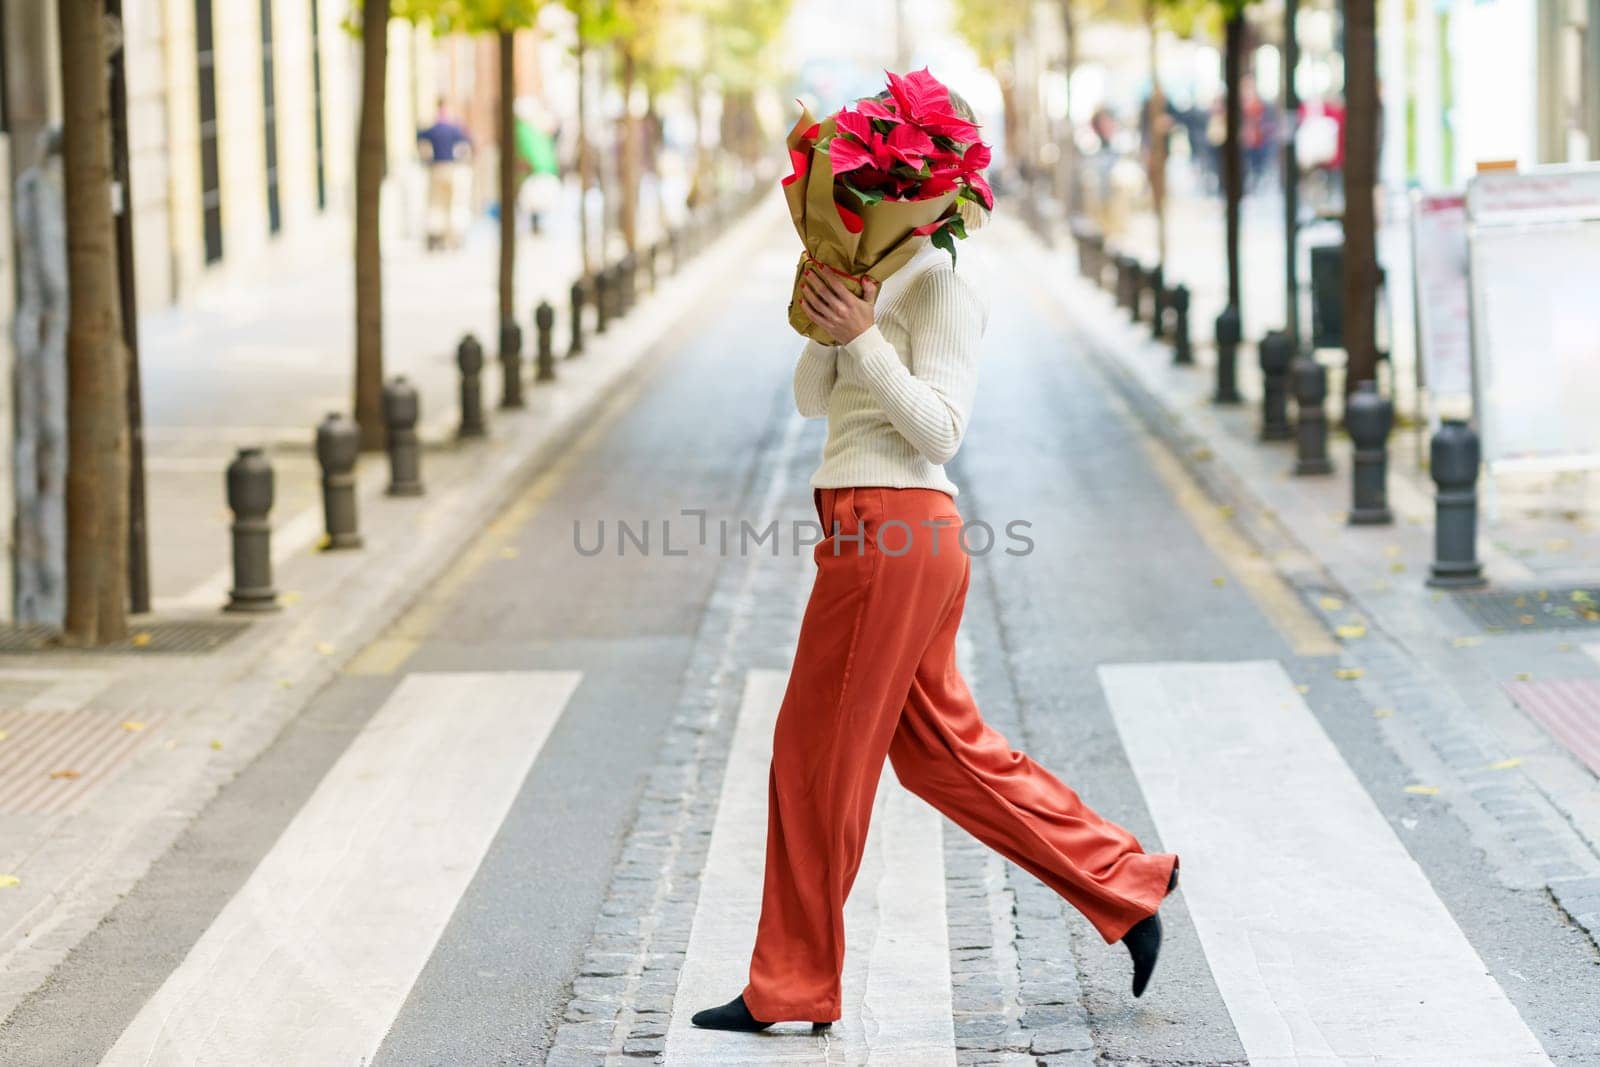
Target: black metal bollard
{"type": "Point", "coordinates": [1229, 333]}
{"type": "Point", "coordinates": [1156, 280]}
{"type": "Point", "coordinates": [602, 299]}
{"type": "Point", "coordinates": [544, 323]}
{"type": "Point", "coordinates": [401, 409]}
{"type": "Point", "coordinates": [674, 249]}
{"type": "Point", "coordinates": [1140, 278]}
{"type": "Point", "coordinates": [250, 483]}
{"type": "Point", "coordinates": [1311, 421]}
{"type": "Point", "coordinates": [469, 357]}
{"type": "Point", "coordinates": [628, 270]}
{"type": "Point", "coordinates": [652, 257]}
{"type": "Point", "coordinates": [1454, 458]}
{"type": "Point", "coordinates": [1276, 352]}
{"type": "Point", "coordinates": [510, 364]}
{"type": "Point", "coordinates": [1182, 349]}
{"type": "Point", "coordinates": [577, 297]}
{"type": "Point", "coordinates": [338, 445]}
{"type": "Point", "coordinates": [1123, 286]}
{"type": "Point", "coordinates": [1369, 416]}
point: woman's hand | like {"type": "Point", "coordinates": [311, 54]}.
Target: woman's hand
{"type": "Point", "coordinates": [831, 305]}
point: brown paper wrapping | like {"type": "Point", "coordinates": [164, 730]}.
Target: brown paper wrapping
{"type": "Point", "coordinates": [884, 245]}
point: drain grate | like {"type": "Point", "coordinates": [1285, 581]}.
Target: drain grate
{"type": "Point", "coordinates": [183, 636]}
{"type": "Point", "coordinates": [1543, 608]}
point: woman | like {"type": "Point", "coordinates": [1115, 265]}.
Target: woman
{"type": "Point", "coordinates": [875, 669]}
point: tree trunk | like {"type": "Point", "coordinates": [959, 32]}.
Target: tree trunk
{"type": "Point", "coordinates": [1069, 143]}
{"type": "Point", "coordinates": [701, 156]}
{"type": "Point", "coordinates": [1360, 180]}
{"type": "Point", "coordinates": [1156, 121]}
{"type": "Point", "coordinates": [508, 179]}
{"type": "Point", "coordinates": [370, 164]}
{"type": "Point", "coordinates": [1011, 118]}
{"type": "Point", "coordinates": [628, 209]}
{"type": "Point", "coordinates": [1232, 157]}
{"type": "Point", "coordinates": [585, 163]}
{"type": "Point", "coordinates": [97, 442]}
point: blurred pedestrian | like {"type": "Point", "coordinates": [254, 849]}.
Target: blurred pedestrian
{"type": "Point", "coordinates": [540, 189]}
{"type": "Point", "coordinates": [446, 148]}
{"type": "Point", "coordinates": [875, 674]}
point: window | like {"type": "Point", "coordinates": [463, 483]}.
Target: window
{"type": "Point", "coordinates": [316, 105]}
{"type": "Point", "coordinates": [269, 120]}
{"type": "Point", "coordinates": [210, 171]}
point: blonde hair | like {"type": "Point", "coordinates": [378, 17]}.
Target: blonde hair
{"type": "Point", "coordinates": [973, 214]}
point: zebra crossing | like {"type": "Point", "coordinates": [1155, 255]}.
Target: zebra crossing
{"type": "Point", "coordinates": [1325, 938]}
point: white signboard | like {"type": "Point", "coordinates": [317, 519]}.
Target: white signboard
{"type": "Point", "coordinates": [1444, 315]}
{"type": "Point", "coordinates": [1534, 260]}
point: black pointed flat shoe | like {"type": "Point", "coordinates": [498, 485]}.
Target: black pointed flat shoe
{"type": "Point", "coordinates": [1144, 943]}
{"type": "Point", "coordinates": [735, 1016]}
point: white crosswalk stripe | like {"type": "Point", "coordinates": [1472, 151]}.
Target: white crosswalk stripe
{"type": "Point", "coordinates": [1326, 939]}
{"type": "Point", "coordinates": [313, 957]}
{"type": "Point", "coordinates": [312, 960]}
{"type": "Point", "coordinates": [897, 1003]}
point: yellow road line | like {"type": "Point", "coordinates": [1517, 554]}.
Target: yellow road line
{"type": "Point", "coordinates": [1276, 599]}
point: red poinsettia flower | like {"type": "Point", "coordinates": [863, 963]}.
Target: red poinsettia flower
{"type": "Point", "coordinates": [874, 108]}
{"type": "Point", "coordinates": [973, 162]}
{"type": "Point", "coordinates": [923, 100]}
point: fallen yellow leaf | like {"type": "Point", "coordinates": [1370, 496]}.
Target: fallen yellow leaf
{"type": "Point", "coordinates": [1382, 713]}
{"type": "Point", "coordinates": [216, 744]}
{"type": "Point", "coordinates": [1392, 551]}
{"type": "Point", "coordinates": [1348, 674]}
{"type": "Point", "coordinates": [1225, 510]}
{"type": "Point", "coordinates": [1565, 646]}
{"type": "Point", "coordinates": [1506, 764]}
{"type": "Point", "coordinates": [1423, 790]}
{"type": "Point", "coordinates": [1397, 568]}
{"type": "Point", "coordinates": [131, 726]}
{"type": "Point", "coordinates": [1543, 594]}
{"type": "Point", "coordinates": [1219, 582]}
{"type": "Point", "coordinates": [1331, 603]}
{"type": "Point", "coordinates": [324, 648]}
{"type": "Point", "coordinates": [324, 541]}
{"type": "Point", "coordinates": [1524, 676]}
{"type": "Point", "coordinates": [509, 552]}
{"type": "Point", "coordinates": [293, 596]}
{"type": "Point", "coordinates": [1557, 544]}
{"type": "Point", "coordinates": [140, 639]}
{"type": "Point", "coordinates": [1351, 630]}
{"type": "Point", "coordinates": [1201, 453]}
{"type": "Point", "coordinates": [64, 774]}
{"type": "Point", "coordinates": [9, 881]}
{"type": "Point", "coordinates": [1526, 620]}
{"type": "Point", "coordinates": [3, 735]}
{"type": "Point", "coordinates": [1520, 602]}
{"type": "Point", "coordinates": [1302, 689]}
{"type": "Point", "coordinates": [1466, 642]}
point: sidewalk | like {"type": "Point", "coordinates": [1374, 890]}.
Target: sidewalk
{"type": "Point", "coordinates": [262, 364]}
{"type": "Point", "coordinates": [108, 756]}
{"type": "Point", "coordinates": [1491, 690]}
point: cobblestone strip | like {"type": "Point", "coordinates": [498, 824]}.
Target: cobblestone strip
{"type": "Point", "coordinates": [621, 1000]}
{"type": "Point", "coordinates": [1014, 977]}
{"type": "Point", "coordinates": [1438, 726]}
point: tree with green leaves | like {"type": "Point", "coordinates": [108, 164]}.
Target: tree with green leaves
{"type": "Point", "coordinates": [97, 426]}
{"type": "Point", "coordinates": [1360, 176]}
{"type": "Point", "coordinates": [503, 18]}
{"type": "Point", "coordinates": [371, 21]}
{"type": "Point", "coordinates": [597, 24]}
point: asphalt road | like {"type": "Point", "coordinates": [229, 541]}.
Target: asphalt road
{"type": "Point", "coordinates": [1123, 571]}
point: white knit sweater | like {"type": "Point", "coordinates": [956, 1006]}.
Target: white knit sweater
{"type": "Point", "coordinates": [897, 397]}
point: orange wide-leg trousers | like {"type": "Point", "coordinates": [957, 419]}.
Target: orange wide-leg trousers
{"type": "Point", "coordinates": [875, 676]}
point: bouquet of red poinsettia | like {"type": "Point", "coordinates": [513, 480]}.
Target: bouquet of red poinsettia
{"type": "Point", "coordinates": [874, 182]}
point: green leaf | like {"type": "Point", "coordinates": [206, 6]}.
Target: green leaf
{"type": "Point", "coordinates": [866, 196]}
{"type": "Point", "coordinates": [942, 238]}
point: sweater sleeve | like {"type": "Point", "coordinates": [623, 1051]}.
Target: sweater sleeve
{"type": "Point", "coordinates": [814, 374]}
{"type": "Point", "coordinates": [929, 402]}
